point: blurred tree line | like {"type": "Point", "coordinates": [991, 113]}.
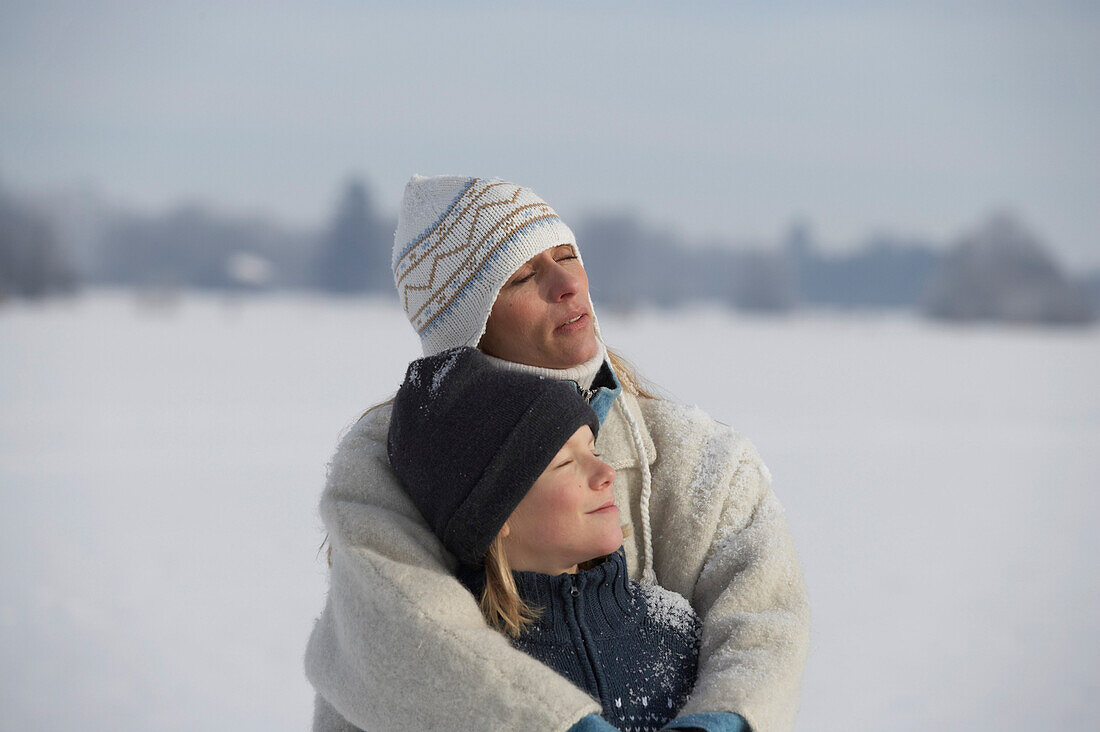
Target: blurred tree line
{"type": "Point", "coordinates": [32, 263]}
{"type": "Point", "coordinates": [999, 271]}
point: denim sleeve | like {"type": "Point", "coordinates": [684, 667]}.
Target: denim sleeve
{"type": "Point", "coordinates": [710, 722]}
{"type": "Point", "coordinates": [592, 723]}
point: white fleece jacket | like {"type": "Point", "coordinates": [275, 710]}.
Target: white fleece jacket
{"type": "Point", "coordinates": [401, 644]}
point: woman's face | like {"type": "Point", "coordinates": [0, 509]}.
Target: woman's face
{"type": "Point", "coordinates": [569, 515]}
{"type": "Point", "coordinates": [541, 316]}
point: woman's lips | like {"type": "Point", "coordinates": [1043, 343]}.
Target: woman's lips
{"type": "Point", "coordinates": [577, 325]}
{"type": "Point", "coordinates": [606, 508]}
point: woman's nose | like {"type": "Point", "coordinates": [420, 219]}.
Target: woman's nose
{"type": "Point", "coordinates": [563, 284]}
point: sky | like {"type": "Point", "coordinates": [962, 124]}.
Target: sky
{"type": "Point", "coordinates": [719, 121]}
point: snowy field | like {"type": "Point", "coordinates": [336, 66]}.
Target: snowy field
{"type": "Point", "coordinates": [160, 469]}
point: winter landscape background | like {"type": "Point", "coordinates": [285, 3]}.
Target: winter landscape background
{"type": "Point", "coordinates": [161, 466]}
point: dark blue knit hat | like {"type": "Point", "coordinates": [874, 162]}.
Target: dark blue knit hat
{"type": "Point", "coordinates": [468, 440]}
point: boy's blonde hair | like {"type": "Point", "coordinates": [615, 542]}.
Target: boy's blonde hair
{"type": "Point", "coordinates": [500, 602]}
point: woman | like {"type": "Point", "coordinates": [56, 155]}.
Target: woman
{"type": "Point", "coordinates": [401, 644]}
{"type": "Point", "coordinates": [503, 467]}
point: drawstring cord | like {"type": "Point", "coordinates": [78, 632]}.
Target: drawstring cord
{"type": "Point", "coordinates": [649, 577]}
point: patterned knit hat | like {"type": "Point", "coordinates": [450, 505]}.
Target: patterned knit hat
{"type": "Point", "coordinates": [468, 440]}
{"type": "Point", "coordinates": [458, 240]}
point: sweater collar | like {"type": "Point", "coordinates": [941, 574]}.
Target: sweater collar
{"type": "Point", "coordinates": [582, 373]}
{"type": "Point", "coordinates": [601, 598]}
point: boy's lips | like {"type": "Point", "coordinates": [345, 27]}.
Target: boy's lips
{"type": "Point", "coordinates": [609, 506]}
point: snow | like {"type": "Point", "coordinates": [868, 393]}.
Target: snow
{"type": "Point", "coordinates": [413, 374]}
{"type": "Point", "coordinates": [160, 470]}
{"type": "Point", "coordinates": [668, 609]}
{"type": "Point", "coordinates": [441, 372]}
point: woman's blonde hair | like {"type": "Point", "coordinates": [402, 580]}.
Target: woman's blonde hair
{"type": "Point", "coordinates": [629, 378]}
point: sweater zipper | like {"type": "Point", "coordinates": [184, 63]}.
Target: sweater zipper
{"type": "Point", "coordinates": [586, 643]}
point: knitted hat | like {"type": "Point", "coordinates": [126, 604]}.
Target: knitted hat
{"type": "Point", "coordinates": [458, 240]}
{"type": "Point", "coordinates": [469, 439]}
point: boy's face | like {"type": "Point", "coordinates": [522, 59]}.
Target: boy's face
{"type": "Point", "coordinates": [569, 515]}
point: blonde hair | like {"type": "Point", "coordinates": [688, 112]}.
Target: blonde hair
{"type": "Point", "coordinates": [500, 602]}
{"type": "Point", "coordinates": [629, 378]}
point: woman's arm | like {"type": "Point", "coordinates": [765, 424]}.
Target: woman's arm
{"type": "Point", "coordinates": [401, 644]}
{"type": "Point", "coordinates": [325, 717]}
{"type": "Point", "coordinates": [721, 539]}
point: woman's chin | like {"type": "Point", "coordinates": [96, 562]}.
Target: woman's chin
{"type": "Point", "coordinates": [575, 353]}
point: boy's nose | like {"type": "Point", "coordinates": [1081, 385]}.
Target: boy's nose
{"type": "Point", "coordinates": [604, 476]}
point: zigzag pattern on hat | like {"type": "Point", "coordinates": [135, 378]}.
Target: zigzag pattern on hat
{"type": "Point", "coordinates": [448, 276]}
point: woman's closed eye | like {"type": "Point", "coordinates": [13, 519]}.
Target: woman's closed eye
{"type": "Point", "coordinates": [521, 280]}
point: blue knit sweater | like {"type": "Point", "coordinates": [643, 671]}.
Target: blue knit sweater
{"type": "Point", "coordinates": [633, 647]}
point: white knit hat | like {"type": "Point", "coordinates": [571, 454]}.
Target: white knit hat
{"type": "Point", "coordinates": [458, 240]}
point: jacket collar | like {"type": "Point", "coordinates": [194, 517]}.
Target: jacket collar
{"type": "Point", "coordinates": [603, 392]}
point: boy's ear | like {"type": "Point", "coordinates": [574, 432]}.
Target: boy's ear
{"type": "Point", "coordinates": [505, 530]}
